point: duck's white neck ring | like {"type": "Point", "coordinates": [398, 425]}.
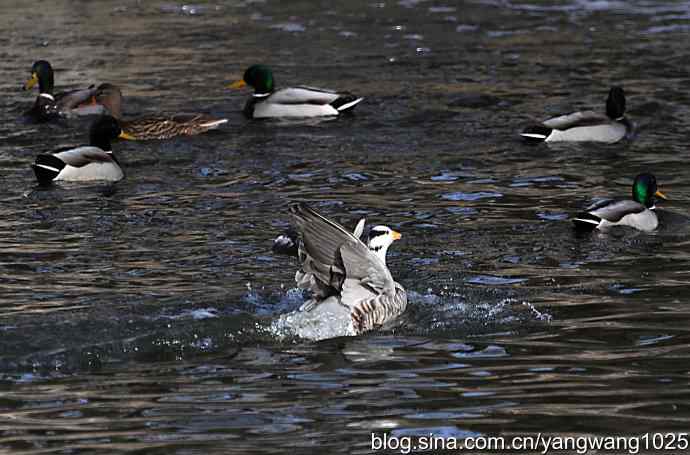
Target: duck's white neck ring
{"type": "Point", "coordinates": [47, 95]}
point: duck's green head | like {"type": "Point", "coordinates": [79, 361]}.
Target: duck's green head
{"type": "Point", "coordinates": [615, 103]}
{"type": "Point", "coordinates": [644, 190]}
{"type": "Point", "coordinates": [104, 130]}
{"type": "Point", "coordinates": [258, 76]}
{"type": "Point", "coordinates": [41, 73]}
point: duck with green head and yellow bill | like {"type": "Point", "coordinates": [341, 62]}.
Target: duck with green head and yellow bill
{"type": "Point", "coordinates": [49, 106]}
{"type": "Point", "coordinates": [154, 126]}
{"type": "Point", "coordinates": [586, 126]}
{"type": "Point", "coordinates": [84, 163]}
{"type": "Point", "coordinates": [295, 102]}
{"type": "Point", "coordinates": [637, 213]}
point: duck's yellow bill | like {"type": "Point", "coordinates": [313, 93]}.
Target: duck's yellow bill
{"type": "Point", "coordinates": [661, 195]}
{"type": "Point", "coordinates": [237, 84]}
{"type": "Point", "coordinates": [31, 82]}
{"type": "Point", "coordinates": [396, 235]}
{"type": "Point", "coordinates": [127, 136]}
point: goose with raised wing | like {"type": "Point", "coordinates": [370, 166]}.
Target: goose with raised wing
{"type": "Point", "coordinates": [352, 290]}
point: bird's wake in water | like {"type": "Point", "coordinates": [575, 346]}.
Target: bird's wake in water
{"type": "Point", "coordinates": [471, 312]}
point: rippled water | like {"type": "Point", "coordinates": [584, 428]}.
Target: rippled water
{"type": "Point", "coordinates": [136, 316]}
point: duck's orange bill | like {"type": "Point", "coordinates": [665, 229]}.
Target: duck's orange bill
{"type": "Point", "coordinates": [237, 84]}
{"type": "Point", "coordinates": [127, 136]}
{"type": "Point", "coordinates": [31, 82]}
{"type": "Point", "coordinates": [396, 235]}
{"type": "Point", "coordinates": [661, 195]}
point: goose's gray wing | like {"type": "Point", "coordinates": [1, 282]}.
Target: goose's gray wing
{"type": "Point", "coordinates": [359, 229]}
{"type": "Point", "coordinates": [613, 211]}
{"type": "Point", "coordinates": [582, 118]}
{"type": "Point", "coordinates": [319, 250]}
{"type": "Point", "coordinates": [365, 269]}
{"type": "Point", "coordinates": [81, 156]}
{"type": "Point", "coordinates": [328, 248]}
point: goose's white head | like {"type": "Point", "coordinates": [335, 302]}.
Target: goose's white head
{"type": "Point", "coordinates": [380, 238]}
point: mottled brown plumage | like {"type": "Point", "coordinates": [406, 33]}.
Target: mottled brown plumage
{"type": "Point", "coordinates": [154, 126]}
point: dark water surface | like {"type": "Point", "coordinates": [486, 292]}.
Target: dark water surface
{"type": "Point", "coordinates": [136, 316]}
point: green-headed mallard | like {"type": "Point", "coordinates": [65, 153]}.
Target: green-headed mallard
{"type": "Point", "coordinates": [83, 163]}
{"type": "Point", "coordinates": [637, 213]}
{"type": "Point", "coordinates": [267, 102]}
{"type": "Point", "coordinates": [586, 126]}
{"type": "Point", "coordinates": [49, 106]}
{"type": "Point", "coordinates": [155, 126]}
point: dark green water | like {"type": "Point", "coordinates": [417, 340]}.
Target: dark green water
{"type": "Point", "coordinates": [134, 317]}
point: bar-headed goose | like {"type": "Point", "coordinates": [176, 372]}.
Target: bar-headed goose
{"type": "Point", "coordinates": [349, 280]}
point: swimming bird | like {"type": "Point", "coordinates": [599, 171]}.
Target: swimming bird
{"type": "Point", "coordinates": [154, 126]}
{"type": "Point", "coordinates": [83, 163]}
{"type": "Point", "coordinates": [637, 213]}
{"type": "Point", "coordinates": [347, 279]}
{"type": "Point", "coordinates": [586, 126]}
{"type": "Point", "coordinates": [49, 106]}
{"type": "Point", "coordinates": [302, 101]}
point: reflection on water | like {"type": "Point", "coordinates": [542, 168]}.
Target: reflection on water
{"type": "Point", "coordinates": [138, 316]}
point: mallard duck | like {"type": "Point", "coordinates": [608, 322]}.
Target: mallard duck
{"type": "Point", "coordinates": [153, 127]}
{"type": "Point", "coordinates": [586, 126]}
{"type": "Point", "coordinates": [349, 280]}
{"type": "Point", "coordinates": [48, 106]}
{"type": "Point", "coordinates": [83, 163]}
{"type": "Point", "coordinates": [637, 213]}
{"type": "Point", "coordinates": [267, 102]}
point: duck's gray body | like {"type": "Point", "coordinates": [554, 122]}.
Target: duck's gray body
{"type": "Point", "coordinates": [84, 163]}
{"type": "Point", "coordinates": [299, 102]}
{"type": "Point", "coordinates": [606, 214]}
{"type": "Point", "coordinates": [587, 126]}
{"type": "Point", "coordinates": [79, 164]}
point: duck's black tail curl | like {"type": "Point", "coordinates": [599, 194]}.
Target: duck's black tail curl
{"type": "Point", "coordinates": [346, 102]}
{"type": "Point", "coordinates": [586, 221]}
{"type": "Point", "coordinates": [46, 168]}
